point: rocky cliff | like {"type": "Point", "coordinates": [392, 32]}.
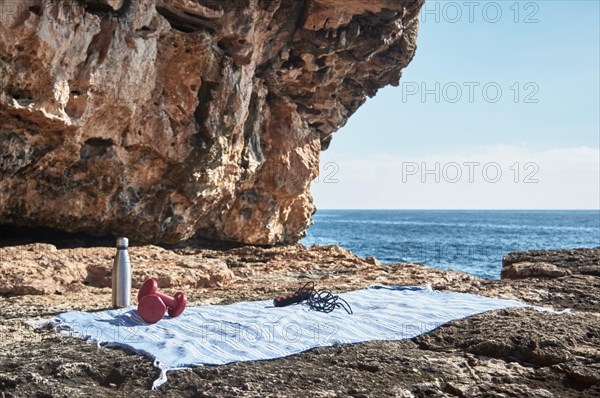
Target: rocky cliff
{"type": "Point", "coordinates": [160, 119]}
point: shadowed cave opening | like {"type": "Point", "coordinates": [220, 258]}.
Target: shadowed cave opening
{"type": "Point", "coordinates": [14, 235]}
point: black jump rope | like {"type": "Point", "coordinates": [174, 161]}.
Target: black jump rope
{"type": "Point", "coordinates": [323, 300]}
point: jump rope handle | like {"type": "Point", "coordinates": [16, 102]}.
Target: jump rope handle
{"type": "Point", "coordinates": [297, 297]}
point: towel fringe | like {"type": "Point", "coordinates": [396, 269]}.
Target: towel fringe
{"type": "Point", "coordinates": [162, 378]}
{"type": "Point", "coordinates": [550, 310]}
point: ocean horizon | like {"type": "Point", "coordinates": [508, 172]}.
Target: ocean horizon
{"type": "Point", "coordinates": [472, 241]}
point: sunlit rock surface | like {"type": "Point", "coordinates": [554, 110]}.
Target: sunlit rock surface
{"type": "Point", "coordinates": [157, 119]}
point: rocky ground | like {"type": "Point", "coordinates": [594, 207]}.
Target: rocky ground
{"type": "Point", "coordinates": [508, 353]}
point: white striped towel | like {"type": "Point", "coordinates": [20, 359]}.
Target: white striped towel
{"type": "Point", "coordinates": [250, 331]}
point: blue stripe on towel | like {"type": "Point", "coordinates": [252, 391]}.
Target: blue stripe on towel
{"type": "Point", "coordinates": [249, 331]}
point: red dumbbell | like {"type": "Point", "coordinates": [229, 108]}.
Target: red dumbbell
{"type": "Point", "coordinates": [153, 304]}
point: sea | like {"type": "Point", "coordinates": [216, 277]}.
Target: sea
{"type": "Point", "coordinates": [471, 241]}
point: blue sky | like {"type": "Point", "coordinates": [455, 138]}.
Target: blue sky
{"type": "Point", "coordinates": [533, 68]}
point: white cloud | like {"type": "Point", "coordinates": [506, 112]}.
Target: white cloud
{"type": "Point", "coordinates": [498, 177]}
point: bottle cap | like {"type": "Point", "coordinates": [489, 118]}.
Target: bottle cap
{"type": "Point", "coordinates": [122, 243]}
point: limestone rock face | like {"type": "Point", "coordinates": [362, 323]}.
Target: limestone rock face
{"type": "Point", "coordinates": [161, 119]}
{"type": "Point", "coordinates": [42, 269]}
{"type": "Point", "coordinates": [551, 263]}
{"type": "Point", "coordinates": [532, 270]}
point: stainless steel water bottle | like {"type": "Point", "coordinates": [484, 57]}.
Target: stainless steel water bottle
{"type": "Point", "coordinates": [121, 276]}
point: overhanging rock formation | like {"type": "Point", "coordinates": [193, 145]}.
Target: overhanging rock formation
{"type": "Point", "coordinates": [160, 119]}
